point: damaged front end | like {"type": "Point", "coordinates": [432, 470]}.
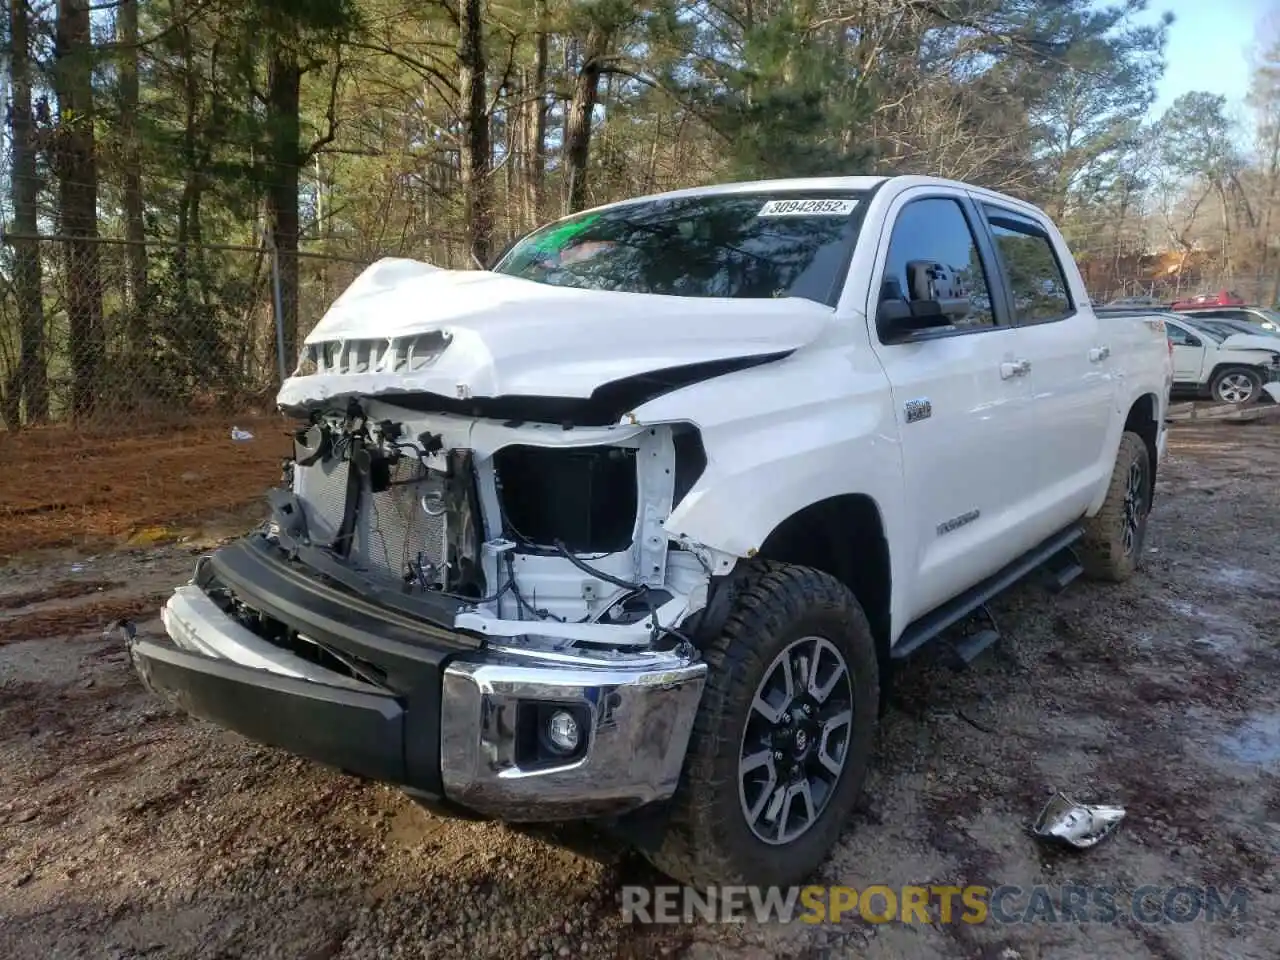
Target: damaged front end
{"type": "Point", "coordinates": [546, 537]}
{"type": "Point", "coordinates": [488, 612]}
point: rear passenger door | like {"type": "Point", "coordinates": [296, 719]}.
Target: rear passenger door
{"type": "Point", "coordinates": [1074, 373]}
{"type": "Point", "coordinates": [962, 404]}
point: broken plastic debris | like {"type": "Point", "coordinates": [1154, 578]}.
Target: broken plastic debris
{"type": "Point", "coordinates": [122, 630]}
{"type": "Point", "coordinates": [238, 435]}
{"type": "Point", "coordinates": [1078, 824]}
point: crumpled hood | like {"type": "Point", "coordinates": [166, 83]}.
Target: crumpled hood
{"type": "Point", "coordinates": [1251, 341]}
{"type": "Point", "coordinates": [473, 333]}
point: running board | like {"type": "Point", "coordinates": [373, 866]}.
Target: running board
{"type": "Point", "coordinates": [1061, 569]}
{"type": "Point", "coordinates": [983, 636]}
{"type": "Point", "coordinates": [926, 628]}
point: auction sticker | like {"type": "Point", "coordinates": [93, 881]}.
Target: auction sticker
{"type": "Point", "coordinates": [826, 207]}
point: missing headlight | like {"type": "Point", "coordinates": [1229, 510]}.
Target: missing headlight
{"type": "Point", "coordinates": [585, 498]}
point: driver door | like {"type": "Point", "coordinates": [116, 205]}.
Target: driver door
{"type": "Point", "coordinates": [961, 396]}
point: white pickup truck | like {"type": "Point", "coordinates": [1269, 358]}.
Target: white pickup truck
{"type": "Point", "coordinates": [633, 526]}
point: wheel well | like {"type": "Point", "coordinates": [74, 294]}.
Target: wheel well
{"type": "Point", "coordinates": [842, 536]}
{"type": "Point", "coordinates": [1142, 421]}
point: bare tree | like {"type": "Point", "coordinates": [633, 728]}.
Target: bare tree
{"type": "Point", "coordinates": [476, 148]}
{"type": "Point", "coordinates": [30, 383]}
{"type": "Point", "coordinates": [134, 227]}
{"type": "Point", "coordinates": [76, 162]}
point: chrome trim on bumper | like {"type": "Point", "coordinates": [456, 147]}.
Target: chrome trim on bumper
{"type": "Point", "coordinates": [196, 624]}
{"type": "Point", "coordinates": [640, 720]}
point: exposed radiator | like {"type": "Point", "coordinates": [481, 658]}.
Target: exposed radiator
{"type": "Point", "coordinates": [401, 531]}
{"type": "Point", "coordinates": [404, 527]}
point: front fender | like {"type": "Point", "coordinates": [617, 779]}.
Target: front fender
{"type": "Point", "coordinates": [782, 437]}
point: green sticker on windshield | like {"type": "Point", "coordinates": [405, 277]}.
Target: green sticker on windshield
{"type": "Point", "coordinates": [557, 237]}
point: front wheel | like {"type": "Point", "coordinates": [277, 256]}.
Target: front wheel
{"type": "Point", "coordinates": [1112, 545]}
{"type": "Point", "coordinates": [1238, 385]}
{"type": "Point", "coordinates": [783, 737]}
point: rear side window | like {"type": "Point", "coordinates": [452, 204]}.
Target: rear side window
{"type": "Point", "coordinates": [1036, 279]}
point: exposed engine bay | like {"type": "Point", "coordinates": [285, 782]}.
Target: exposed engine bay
{"type": "Point", "coordinates": [495, 527]}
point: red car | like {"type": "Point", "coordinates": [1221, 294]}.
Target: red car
{"type": "Point", "coordinates": [1223, 298]}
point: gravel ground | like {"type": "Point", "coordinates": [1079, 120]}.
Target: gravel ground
{"type": "Point", "coordinates": [129, 830]}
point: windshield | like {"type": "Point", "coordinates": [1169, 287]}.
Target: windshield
{"type": "Point", "coordinates": [756, 245]}
{"type": "Point", "coordinates": [1244, 326]}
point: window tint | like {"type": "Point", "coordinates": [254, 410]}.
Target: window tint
{"type": "Point", "coordinates": [936, 230]}
{"type": "Point", "coordinates": [756, 245]}
{"type": "Point", "coordinates": [1036, 281]}
{"type": "Point", "coordinates": [1180, 337]}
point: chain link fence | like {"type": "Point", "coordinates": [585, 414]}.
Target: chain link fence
{"type": "Point", "coordinates": [138, 383]}
{"type": "Point", "coordinates": [112, 334]}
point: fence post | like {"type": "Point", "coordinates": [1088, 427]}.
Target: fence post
{"type": "Point", "coordinates": [279, 306]}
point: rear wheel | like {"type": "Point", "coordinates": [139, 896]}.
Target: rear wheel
{"type": "Point", "coordinates": [1112, 544]}
{"type": "Point", "coordinates": [1238, 385]}
{"type": "Point", "coordinates": [783, 738]}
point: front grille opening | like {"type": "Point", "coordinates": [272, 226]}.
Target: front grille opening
{"type": "Point", "coordinates": [586, 498]}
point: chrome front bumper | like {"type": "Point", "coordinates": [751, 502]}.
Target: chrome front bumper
{"type": "Point", "coordinates": [639, 720]}
{"type": "Point", "coordinates": [637, 711]}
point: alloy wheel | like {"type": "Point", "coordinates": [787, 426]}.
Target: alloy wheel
{"type": "Point", "coordinates": [796, 740]}
{"type": "Point", "coordinates": [1135, 506]}
{"type": "Point", "coordinates": [1235, 388]}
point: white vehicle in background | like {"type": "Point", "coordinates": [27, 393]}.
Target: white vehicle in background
{"type": "Point", "coordinates": [1235, 368]}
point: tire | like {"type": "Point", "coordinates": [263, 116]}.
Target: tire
{"type": "Point", "coordinates": [1112, 545]}
{"type": "Point", "coordinates": [779, 614]}
{"type": "Point", "coordinates": [1239, 385]}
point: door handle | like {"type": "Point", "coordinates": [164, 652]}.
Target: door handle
{"type": "Point", "coordinates": [1098, 354]}
{"type": "Point", "coordinates": [1017, 368]}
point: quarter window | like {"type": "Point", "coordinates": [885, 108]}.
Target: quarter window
{"type": "Point", "coordinates": [1036, 280]}
{"type": "Point", "coordinates": [933, 256]}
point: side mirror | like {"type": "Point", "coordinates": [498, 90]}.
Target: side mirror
{"type": "Point", "coordinates": [936, 299]}
{"type": "Point", "coordinates": [1192, 342]}
{"type": "Point", "coordinates": [900, 317]}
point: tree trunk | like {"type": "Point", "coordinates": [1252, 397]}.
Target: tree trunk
{"type": "Point", "coordinates": [284, 84]}
{"type": "Point", "coordinates": [77, 169]}
{"type": "Point", "coordinates": [535, 129]}
{"type": "Point", "coordinates": [476, 153]}
{"type": "Point", "coordinates": [582, 106]}
{"type": "Point", "coordinates": [134, 231]}
{"type": "Point", "coordinates": [190, 158]}
{"type": "Point", "coordinates": [1227, 270]}
{"type": "Point", "coordinates": [32, 383]}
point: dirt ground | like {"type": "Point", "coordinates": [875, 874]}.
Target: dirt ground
{"type": "Point", "coordinates": [63, 486]}
{"type": "Point", "coordinates": [128, 830]}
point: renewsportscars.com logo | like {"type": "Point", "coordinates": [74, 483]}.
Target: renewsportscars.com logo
{"type": "Point", "coordinates": [932, 903]}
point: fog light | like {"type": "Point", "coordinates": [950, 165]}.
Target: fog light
{"type": "Point", "coordinates": [562, 732]}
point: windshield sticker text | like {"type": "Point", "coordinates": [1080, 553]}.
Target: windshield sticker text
{"type": "Point", "coordinates": [808, 208]}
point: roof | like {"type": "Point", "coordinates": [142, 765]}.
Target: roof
{"type": "Point", "coordinates": [816, 184]}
